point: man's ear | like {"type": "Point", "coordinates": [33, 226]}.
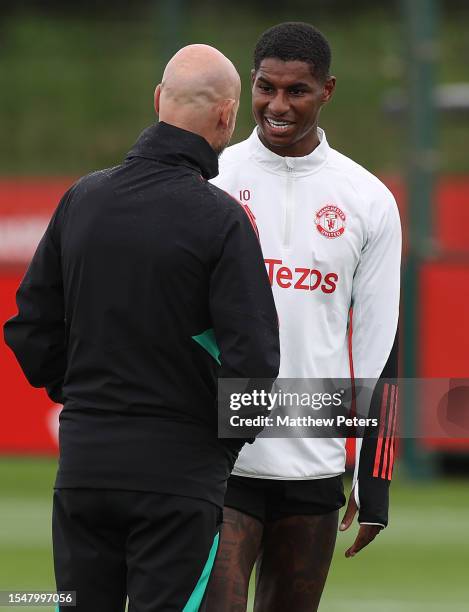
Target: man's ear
{"type": "Point", "coordinates": [329, 87]}
{"type": "Point", "coordinates": [157, 98]}
{"type": "Point", "coordinates": [253, 76]}
{"type": "Point", "coordinates": [226, 112]}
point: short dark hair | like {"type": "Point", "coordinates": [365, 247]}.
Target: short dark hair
{"type": "Point", "coordinates": [295, 41]}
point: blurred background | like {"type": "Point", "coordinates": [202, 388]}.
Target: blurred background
{"type": "Point", "coordinates": [76, 89]}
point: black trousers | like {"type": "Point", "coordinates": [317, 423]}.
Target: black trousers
{"type": "Point", "coordinates": [157, 550]}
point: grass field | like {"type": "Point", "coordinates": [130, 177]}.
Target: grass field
{"type": "Point", "coordinates": [419, 564]}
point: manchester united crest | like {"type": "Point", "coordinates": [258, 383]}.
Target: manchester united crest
{"type": "Point", "coordinates": [330, 221]}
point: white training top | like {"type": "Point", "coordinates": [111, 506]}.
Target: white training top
{"type": "Point", "coordinates": [331, 238]}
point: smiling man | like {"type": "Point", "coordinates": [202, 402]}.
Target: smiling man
{"type": "Point", "coordinates": [331, 239]}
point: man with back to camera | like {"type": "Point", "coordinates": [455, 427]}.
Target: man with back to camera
{"type": "Point", "coordinates": [142, 267]}
{"type": "Point", "coordinates": [331, 239]}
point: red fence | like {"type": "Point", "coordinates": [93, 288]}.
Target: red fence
{"type": "Point", "coordinates": [29, 417]}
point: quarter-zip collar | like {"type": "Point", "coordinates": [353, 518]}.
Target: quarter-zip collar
{"type": "Point", "coordinates": [172, 145]}
{"type": "Point", "coordinates": [299, 166]}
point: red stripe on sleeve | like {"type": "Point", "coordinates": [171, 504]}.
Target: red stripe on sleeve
{"type": "Point", "coordinates": [252, 218]}
{"type": "Point", "coordinates": [379, 444]}
{"type": "Point", "coordinates": [248, 211]}
{"type": "Point", "coordinates": [388, 432]}
{"type": "Point", "coordinates": [393, 444]}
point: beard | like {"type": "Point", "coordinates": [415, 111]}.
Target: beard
{"type": "Point", "coordinates": [219, 150]}
{"type": "Point", "coordinates": [225, 138]}
{"type": "Point", "coordinates": [221, 146]}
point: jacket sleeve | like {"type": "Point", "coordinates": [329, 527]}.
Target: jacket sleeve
{"type": "Point", "coordinates": [37, 333]}
{"type": "Point", "coordinates": [375, 304]}
{"type": "Point", "coordinates": [241, 302]}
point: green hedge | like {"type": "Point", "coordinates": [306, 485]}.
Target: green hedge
{"type": "Point", "coordinates": [76, 91]}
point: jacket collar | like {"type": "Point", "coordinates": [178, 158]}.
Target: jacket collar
{"type": "Point", "coordinates": [172, 145]}
{"type": "Point", "coordinates": [297, 165]}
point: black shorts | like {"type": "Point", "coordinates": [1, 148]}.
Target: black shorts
{"type": "Point", "coordinates": [269, 500]}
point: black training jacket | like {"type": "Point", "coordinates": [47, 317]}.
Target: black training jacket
{"type": "Point", "coordinates": [145, 271]}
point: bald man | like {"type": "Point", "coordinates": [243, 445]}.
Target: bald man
{"type": "Point", "coordinates": [148, 284]}
{"type": "Point", "coordinates": [200, 93]}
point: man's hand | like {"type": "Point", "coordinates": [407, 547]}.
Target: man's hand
{"type": "Point", "coordinates": [366, 533]}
